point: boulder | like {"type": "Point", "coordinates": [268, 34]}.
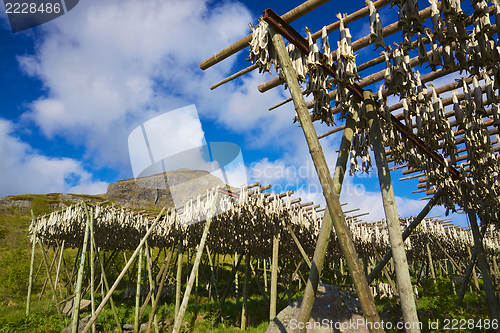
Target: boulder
{"type": "Point", "coordinates": [334, 310]}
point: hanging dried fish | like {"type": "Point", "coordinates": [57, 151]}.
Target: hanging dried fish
{"type": "Point", "coordinates": [259, 52]}
{"type": "Point", "coordinates": [422, 52]}
{"type": "Point", "coordinates": [488, 86]}
{"type": "Point", "coordinates": [459, 114]}
{"type": "Point", "coordinates": [437, 22]}
{"type": "Point", "coordinates": [327, 54]}
{"type": "Point", "coordinates": [449, 62]}
{"type": "Point", "coordinates": [435, 58]}
{"type": "Point", "coordinates": [376, 34]}
{"type": "Point", "coordinates": [478, 96]}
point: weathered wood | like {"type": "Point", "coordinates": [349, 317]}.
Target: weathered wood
{"type": "Point", "coordinates": [236, 286]}
{"type": "Point", "coordinates": [290, 16]}
{"type": "Point", "coordinates": [138, 292]}
{"type": "Point", "coordinates": [187, 292]}
{"type": "Point", "coordinates": [333, 204]}
{"type": "Point", "coordinates": [393, 225]}
{"type": "Point", "coordinates": [119, 278]}
{"type": "Point", "coordinates": [92, 272]}
{"type": "Point", "coordinates": [244, 308]}
{"type": "Point", "coordinates": [297, 242]}
{"type": "Point", "coordinates": [178, 279]}
{"type": "Point", "coordinates": [274, 274]}
{"type": "Point", "coordinates": [212, 276]}
{"type": "Point", "coordinates": [431, 264]}
{"type": "Point", "coordinates": [33, 246]}
{"type": "Point", "coordinates": [59, 267]}
{"type": "Point", "coordinates": [235, 76]}
{"type": "Point", "coordinates": [78, 289]}
{"type": "Point", "coordinates": [151, 284]}
{"type": "Point", "coordinates": [483, 266]}
{"type": "Point", "coordinates": [50, 270]}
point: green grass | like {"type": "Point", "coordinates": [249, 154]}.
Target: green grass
{"type": "Point", "coordinates": [435, 301]}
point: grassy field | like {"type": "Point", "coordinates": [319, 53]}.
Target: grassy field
{"type": "Point", "coordinates": [436, 301]}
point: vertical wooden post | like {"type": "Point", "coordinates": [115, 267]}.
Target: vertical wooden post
{"type": "Point", "coordinates": [120, 277]}
{"type": "Point", "coordinates": [483, 266]}
{"type": "Point", "coordinates": [185, 300]}
{"type": "Point", "coordinates": [236, 294]}
{"type": "Point", "coordinates": [393, 225]}
{"type": "Point", "coordinates": [178, 278]}
{"type": "Point", "coordinates": [151, 285]}
{"type": "Point", "coordinates": [431, 264]}
{"type": "Point", "coordinates": [78, 290]}
{"type": "Point", "coordinates": [33, 246]}
{"type": "Point", "coordinates": [334, 211]}
{"type": "Point", "coordinates": [289, 291]}
{"type": "Point", "coordinates": [91, 231]}
{"type": "Point", "coordinates": [138, 292]}
{"type": "Point", "coordinates": [244, 308]}
{"type": "Point", "coordinates": [274, 274]}
{"type": "Point", "coordinates": [265, 276]}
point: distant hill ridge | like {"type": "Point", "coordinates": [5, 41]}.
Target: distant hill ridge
{"type": "Point", "coordinates": [145, 192]}
{"type": "Point", "coordinates": [182, 183]}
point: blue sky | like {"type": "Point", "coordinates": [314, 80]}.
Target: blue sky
{"type": "Point", "coordinates": [73, 90]}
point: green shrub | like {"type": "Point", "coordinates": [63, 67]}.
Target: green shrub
{"type": "Point", "coordinates": [15, 273]}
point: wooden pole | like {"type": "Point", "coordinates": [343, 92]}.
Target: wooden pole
{"type": "Point", "coordinates": [151, 285]}
{"type": "Point", "coordinates": [212, 276]}
{"type": "Point", "coordinates": [78, 290]}
{"type": "Point", "coordinates": [393, 225]}
{"type": "Point", "coordinates": [178, 279]}
{"type": "Point", "coordinates": [431, 264]}
{"type": "Point", "coordinates": [244, 308]}
{"type": "Point", "coordinates": [333, 204]}
{"type": "Point", "coordinates": [297, 242]}
{"type": "Point", "coordinates": [483, 266]}
{"type": "Point", "coordinates": [265, 276]}
{"type": "Point", "coordinates": [33, 246]}
{"type": "Point", "coordinates": [120, 277]}
{"type": "Point", "coordinates": [50, 270]}
{"type": "Point", "coordinates": [164, 267]}
{"type": "Point", "coordinates": [182, 309]}
{"type": "Point", "coordinates": [91, 231]}
{"type": "Point", "coordinates": [138, 293]}
{"type": "Point", "coordinates": [236, 290]}
{"type": "Point", "coordinates": [50, 278]}
{"type": "Point", "coordinates": [274, 274]}
{"type": "Point", "coordinates": [59, 267]}
{"type": "Point", "coordinates": [290, 16]}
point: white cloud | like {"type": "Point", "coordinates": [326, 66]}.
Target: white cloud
{"type": "Point", "coordinates": [24, 170]}
{"type": "Point", "coordinates": [109, 66]}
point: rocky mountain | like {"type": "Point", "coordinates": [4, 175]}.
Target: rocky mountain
{"type": "Point", "coordinates": [144, 192]}
{"type": "Point", "coordinates": [163, 189]}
